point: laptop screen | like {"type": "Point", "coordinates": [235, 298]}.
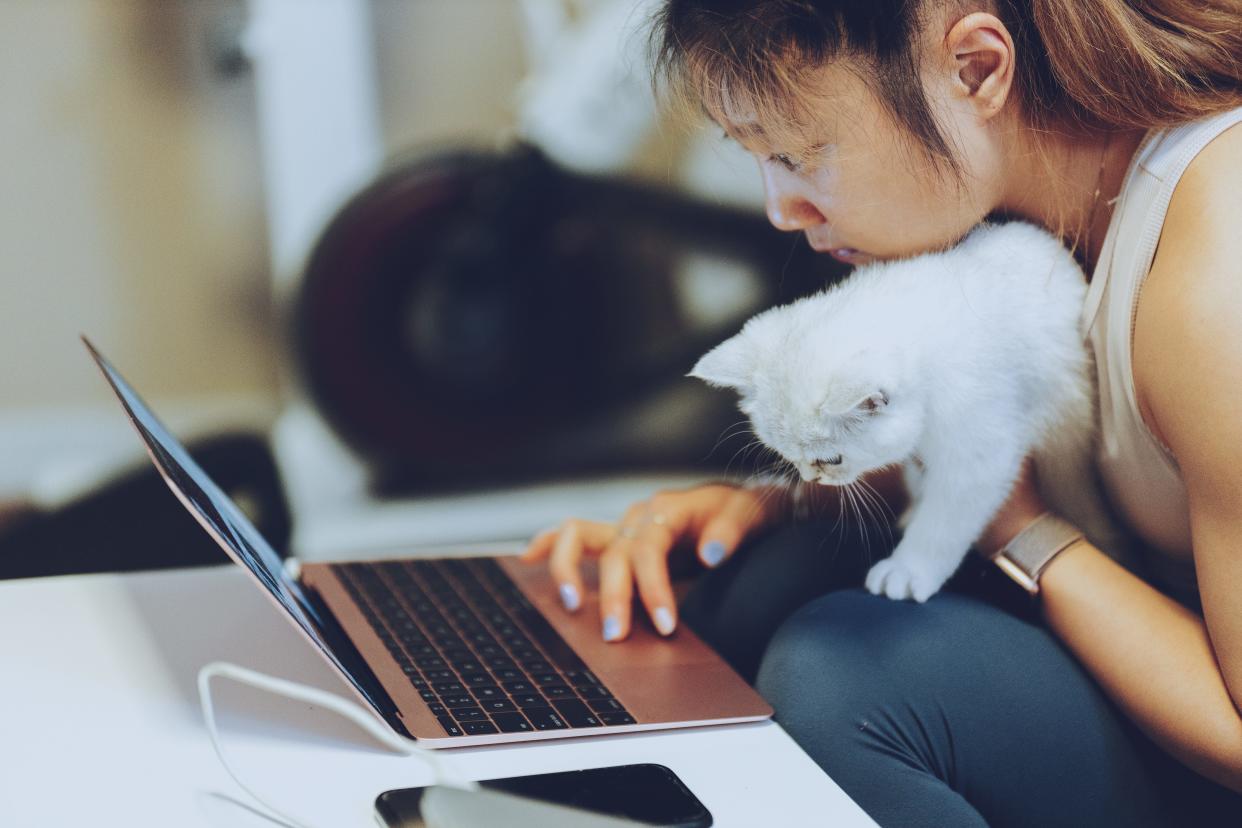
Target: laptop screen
{"type": "Point", "coordinates": [226, 522]}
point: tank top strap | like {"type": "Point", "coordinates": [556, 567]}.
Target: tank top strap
{"type": "Point", "coordinates": [1147, 188]}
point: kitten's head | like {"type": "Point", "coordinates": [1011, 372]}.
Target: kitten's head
{"type": "Point", "coordinates": [833, 409]}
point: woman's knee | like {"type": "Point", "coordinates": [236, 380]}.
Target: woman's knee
{"type": "Point", "coordinates": [818, 659]}
{"type": "Point", "coordinates": [738, 607]}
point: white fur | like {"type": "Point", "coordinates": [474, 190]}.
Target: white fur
{"type": "Point", "coordinates": [955, 366]}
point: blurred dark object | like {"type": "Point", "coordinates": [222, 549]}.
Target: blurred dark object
{"type": "Point", "coordinates": [135, 522]}
{"type": "Point", "coordinates": [474, 318]}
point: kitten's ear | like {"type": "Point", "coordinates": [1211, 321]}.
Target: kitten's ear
{"type": "Point", "coordinates": [854, 402]}
{"type": "Point", "coordinates": [729, 365]}
{"type": "Point", "coordinates": [873, 402]}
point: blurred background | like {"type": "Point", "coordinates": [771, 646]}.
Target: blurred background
{"type": "Point", "coordinates": [402, 273]}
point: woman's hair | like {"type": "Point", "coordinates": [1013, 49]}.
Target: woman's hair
{"type": "Point", "coordinates": [1088, 64]}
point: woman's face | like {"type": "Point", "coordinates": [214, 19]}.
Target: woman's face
{"type": "Point", "coordinates": [863, 189]}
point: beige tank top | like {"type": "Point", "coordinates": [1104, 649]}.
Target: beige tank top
{"type": "Point", "coordinates": [1140, 474]}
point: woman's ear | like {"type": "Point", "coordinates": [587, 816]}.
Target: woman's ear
{"type": "Point", "coordinates": [981, 52]}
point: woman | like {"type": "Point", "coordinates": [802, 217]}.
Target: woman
{"type": "Point", "coordinates": [888, 128]}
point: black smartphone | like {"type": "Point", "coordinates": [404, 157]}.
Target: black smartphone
{"type": "Point", "coordinates": [647, 793]}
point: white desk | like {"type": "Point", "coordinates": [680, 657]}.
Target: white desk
{"type": "Point", "coordinates": [100, 725]}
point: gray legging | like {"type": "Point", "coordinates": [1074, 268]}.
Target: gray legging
{"type": "Point", "coordinates": [963, 711]}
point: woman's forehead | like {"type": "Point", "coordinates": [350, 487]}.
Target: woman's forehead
{"type": "Point", "coordinates": [815, 104]}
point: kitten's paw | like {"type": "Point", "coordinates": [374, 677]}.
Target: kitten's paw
{"type": "Point", "coordinates": [899, 580]}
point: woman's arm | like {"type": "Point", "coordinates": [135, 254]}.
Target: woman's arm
{"type": "Point", "coordinates": [1179, 676]}
{"type": "Point", "coordinates": [1150, 654]}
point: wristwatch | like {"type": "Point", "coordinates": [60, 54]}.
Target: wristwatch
{"type": "Point", "coordinates": [1030, 551]}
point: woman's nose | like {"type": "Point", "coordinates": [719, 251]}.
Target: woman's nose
{"type": "Point", "coordinates": [786, 206]}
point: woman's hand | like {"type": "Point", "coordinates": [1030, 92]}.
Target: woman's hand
{"type": "Point", "coordinates": [715, 517]}
{"type": "Point", "coordinates": [1022, 507]}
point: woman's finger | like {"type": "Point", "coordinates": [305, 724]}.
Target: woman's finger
{"type": "Point", "coordinates": [616, 590]}
{"type": "Point", "coordinates": [540, 545]}
{"type": "Point", "coordinates": [723, 532]}
{"type": "Point", "coordinates": [575, 538]}
{"type": "Point", "coordinates": [649, 559]}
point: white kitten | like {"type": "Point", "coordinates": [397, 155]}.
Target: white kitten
{"type": "Point", "coordinates": [954, 365]}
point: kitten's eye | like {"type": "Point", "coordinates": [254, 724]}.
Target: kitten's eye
{"type": "Point", "coordinates": [834, 460]}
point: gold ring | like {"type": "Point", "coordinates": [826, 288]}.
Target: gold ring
{"type": "Point", "coordinates": [659, 519]}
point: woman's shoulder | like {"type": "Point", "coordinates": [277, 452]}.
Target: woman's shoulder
{"type": "Point", "coordinates": [1190, 298]}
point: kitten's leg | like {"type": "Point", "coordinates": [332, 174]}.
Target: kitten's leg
{"type": "Point", "coordinates": [956, 506]}
{"type": "Point", "coordinates": [912, 474]}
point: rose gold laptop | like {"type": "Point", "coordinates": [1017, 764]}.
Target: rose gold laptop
{"type": "Point", "coordinates": [464, 651]}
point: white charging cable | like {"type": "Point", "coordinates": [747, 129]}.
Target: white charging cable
{"type": "Point", "coordinates": [442, 772]}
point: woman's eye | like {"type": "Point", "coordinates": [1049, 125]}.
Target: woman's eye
{"type": "Point", "coordinates": [785, 161]}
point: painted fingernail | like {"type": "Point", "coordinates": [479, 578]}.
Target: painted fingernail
{"type": "Point", "coordinates": [663, 620]}
{"type": "Point", "coordinates": [569, 597]}
{"type": "Point", "coordinates": [713, 553]}
{"type": "Point", "coordinates": [612, 628]}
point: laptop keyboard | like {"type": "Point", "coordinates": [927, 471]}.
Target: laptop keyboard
{"type": "Point", "coordinates": [480, 654]}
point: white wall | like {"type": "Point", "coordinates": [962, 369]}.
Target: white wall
{"type": "Point", "coordinates": [131, 206]}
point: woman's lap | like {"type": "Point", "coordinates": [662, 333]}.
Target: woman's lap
{"type": "Point", "coordinates": [960, 711]}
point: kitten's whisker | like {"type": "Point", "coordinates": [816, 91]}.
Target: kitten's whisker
{"type": "Point", "coordinates": [875, 508]}
{"type": "Point", "coordinates": [878, 508]}
{"type": "Point", "coordinates": [729, 433]}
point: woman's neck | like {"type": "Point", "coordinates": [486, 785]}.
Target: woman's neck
{"type": "Point", "coordinates": [1052, 180]}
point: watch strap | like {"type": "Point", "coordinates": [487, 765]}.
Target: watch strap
{"type": "Point", "coordinates": [1030, 551]}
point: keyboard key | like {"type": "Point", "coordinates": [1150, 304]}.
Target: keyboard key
{"type": "Point", "coordinates": [518, 687]}
{"type": "Point", "coordinates": [530, 700]}
{"type": "Point", "coordinates": [468, 665]}
{"type": "Point", "coordinates": [476, 728]}
{"type": "Point", "coordinates": [450, 727]}
{"type": "Point", "coordinates": [512, 723]}
{"type": "Point", "coordinates": [497, 705]}
{"type": "Point", "coordinates": [557, 691]}
{"type": "Point", "coordinates": [443, 687]}
{"type": "Point", "coordinates": [439, 675]}
{"type": "Point", "coordinates": [469, 714]}
{"type": "Point", "coordinates": [458, 700]}
{"type": "Point", "coordinates": [437, 708]}
{"type": "Point", "coordinates": [594, 692]}
{"type": "Point", "coordinates": [476, 679]}
{"type": "Point", "coordinates": [547, 637]}
{"type": "Point", "coordinates": [489, 691]}
{"type": "Point", "coordinates": [428, 695]}
{"type": "Point", "coordinates": [580, 678]}
{"type": "Point", "coordinates": [500, 663]}
{"type": "Point", "coordinates": [503, 676]}
{"type": "Point", "coordinates": [605, 705]}
{"type": "Point", "coordinates": [576, 713]}
{"type": "Point", "coordinates": [616, 718]}
{"type": "Point", "coordinates": [545, 718]}
{"type": "Point", "coordinates": [427, 663]}
{"type": "Point", "coordinates": [547, 678]}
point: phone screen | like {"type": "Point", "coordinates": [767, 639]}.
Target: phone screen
{"type": "Point", "coordinates": [647, 793]}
